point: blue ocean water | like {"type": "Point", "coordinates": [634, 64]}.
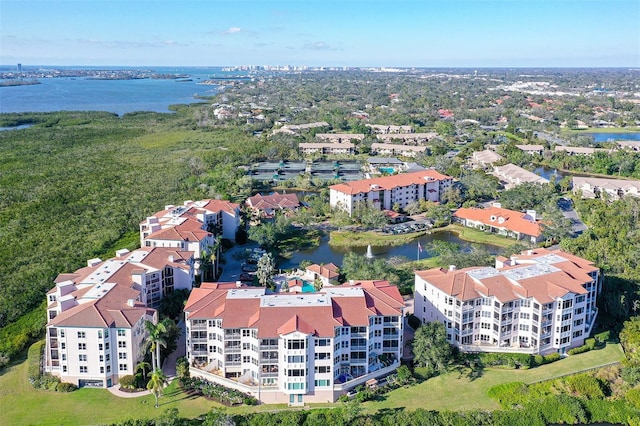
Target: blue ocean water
{"type": "Point", "coordinates": [118, 96]}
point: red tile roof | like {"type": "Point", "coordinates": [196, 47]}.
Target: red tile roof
{"type": "Point", "coordinates": [273, 319]}
{"type": "Point", "coordinates": [513, 220]}
{"type": "Point", "coordinates": [110, 310]}
{"type": "Point", "coordinates": [530, 277]}
{"type": "Point", "coordinates": [274, 201]}
{"type": "Point", "coordinates": [329, 271]}
{"type": "Point", "coordinates": [389, 182]}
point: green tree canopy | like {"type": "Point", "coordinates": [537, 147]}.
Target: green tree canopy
{"type": "Point", "coordinates": [431, 348]}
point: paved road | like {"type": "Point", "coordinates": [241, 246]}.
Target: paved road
{"type": "Point", "coordinates": [232, 267]}
{"type": "Point", "coordinates": [568, 211]}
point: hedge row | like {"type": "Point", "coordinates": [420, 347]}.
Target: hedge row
{"type": "Point", "coordinates": [514, 361]}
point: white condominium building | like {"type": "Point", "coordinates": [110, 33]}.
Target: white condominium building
{"type": "Point", "coordinates": [538, 302]}
{"type": "Point", "coordinates": [218, 217]}
{"type": "Point", "coordinates": [96, 315]}
{"type": "Point", "coordinates": [384, 192]}
{"type": "Point", "coordinates": [294, 347]}
{"type": "Point", "coordinates": [195, 226]}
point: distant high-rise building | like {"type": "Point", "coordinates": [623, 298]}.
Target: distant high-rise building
{"type": "Point", "coordinates": [19, 67]}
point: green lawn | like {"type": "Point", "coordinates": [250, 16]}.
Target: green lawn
{"type": "Point", "coordinates": [363, 239]}
{"type": "Point", "coordinates": [475, 236]}
{"type": "Point", "coordinates": [456, 391]}
{"type": "Point", "coordinates": [20, 404]}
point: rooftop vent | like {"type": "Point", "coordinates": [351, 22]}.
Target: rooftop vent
{"type": "Point", "coordinates": [94, 262]}
{"type": "Point", "coordinates": [452, 267]}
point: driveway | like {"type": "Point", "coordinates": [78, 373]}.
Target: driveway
{"type": "Point", "coordinates": [568, 211]}
{"type": "Point", "coordinates": [233, 258]}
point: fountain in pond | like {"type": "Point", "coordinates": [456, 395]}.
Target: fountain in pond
{"type": "Point", "coordinates": [369, 254]}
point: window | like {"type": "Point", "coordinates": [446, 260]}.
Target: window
{"type": "Point", "coordinates": [295, 372]}
{"type": "Point", "coordinates": [101, 370]}
{"type": "Point", "coordinates": [100, 346]}
{"type": "Point", "coordinates": [99, 334]}
{"type": "Point", "coordinates": [524, 315]}
{"type": "Point", "coordinates": [323, 369]}
{"type": "Point", "coordinates": [122, 355]}
{"type": "Point", "coordinates": [64, 357]}
{"type": "Point", "coordinates": [108, 369]}
{"type": "Point", "coordinates": [83, 369]}
{"type": "Point", "coordinates": [122, 344]}
{"type": "Point", "coordinates": [63, 346]}
{"type": "Point", "coordinates": [122, 333]}
{"type": "Point", "coordinates": [295, 344]}
{"type": "Point", "coordinates": [322, 383]}
{"type": "Point", "coordinates": [524, 327]}
{"type": "Point", "coordinates": [323, 342]}
{"type": "Point", "coordinates": [82, 346]}
{"type": "Point", "coordinates": [62, 333]}
{"type": "Point", "coordinates": [82, 335]}
{"type": "Point", "coordinates": [101, 359]}
{"type": "Point", "coordinates": [122, 367]}
{"type": "Point", "coordinates": [295, 358]}
{"type": "Point", "coordinates": [82, 358]}
{"type": "Point", "coordinates": [64, 368]}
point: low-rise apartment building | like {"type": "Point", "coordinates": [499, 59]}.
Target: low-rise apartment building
{"type": "Point", "coordinates": [509, 223]}
{"type": "Point", "coordinates": [395, 149]}
{"type": "Point", "coordinates": [513, 175]}
{"type": "Point", "coordinates": [615, 189]}
{"type": "Point", "coordinates": [407, 138]}
{"type": "Point", "coordinates": [327, 148]}
{"type": "Point", "coordinates": [539, 302]}
{"type": "Point", "coordinates": [385, 129]}
{"type": "Point", "coordinates": [294, 348]}
{"type": "Point", "coordinates": [339, 137]}
{"type": "Point", "coordinates": [384, 192]}
{"type": "Point", "coordinates": [95, 316]}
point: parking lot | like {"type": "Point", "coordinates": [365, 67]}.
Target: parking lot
{"type": "Point", "coordinates": [408, 227]}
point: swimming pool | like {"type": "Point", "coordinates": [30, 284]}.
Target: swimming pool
{"type": "Point", "coordinates": [389, 170]}
{"type": "Point", "coordinates": [307, 287]}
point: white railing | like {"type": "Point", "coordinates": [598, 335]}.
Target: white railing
{"type": "Point", "coordinates": [493, 348]}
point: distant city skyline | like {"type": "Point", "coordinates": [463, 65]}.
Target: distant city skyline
{"type": "Point", "coordinates": [351, 33]}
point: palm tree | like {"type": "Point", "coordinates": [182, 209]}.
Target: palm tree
{"type": "Point", "coordinates": [143, 366]}
{"type": "Point", "coordinates": [154, 340]}
{"type": "Point", "coordinates": [156, 383]}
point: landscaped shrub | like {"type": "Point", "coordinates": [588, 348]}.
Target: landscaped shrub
{"type": "Point", "coordinates": [127, 382]}
{"type": "Point", "coordinates": [590, 343]}
{"type": "Point", "coordinates": [505, 360]}
{"type": "Point", "coordinates": [217, 392]}
{"type": "Point", "coordinates": [603, 337]}
{"type": "Point", "coordinates": [66, 387]}
{"type": "Point", "coordinates": [579, 350]}
{"type": "Point", "coordinates": [548, 359]}
{"type": "Point", "coordinates": [4, 360]}
{"type": "Point", "coordinates": [34, 357]}
{"type": "Point", "coordinates": [585, 385]}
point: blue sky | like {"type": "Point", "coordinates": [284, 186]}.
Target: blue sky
{"type": "Point", "coordinates": [420, 33]}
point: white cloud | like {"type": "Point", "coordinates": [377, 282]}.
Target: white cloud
{"type": "Point", "coordinates": [232, 30]}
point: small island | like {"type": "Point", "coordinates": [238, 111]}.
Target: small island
{"type": "Point", "coordinates": [12, 83]}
